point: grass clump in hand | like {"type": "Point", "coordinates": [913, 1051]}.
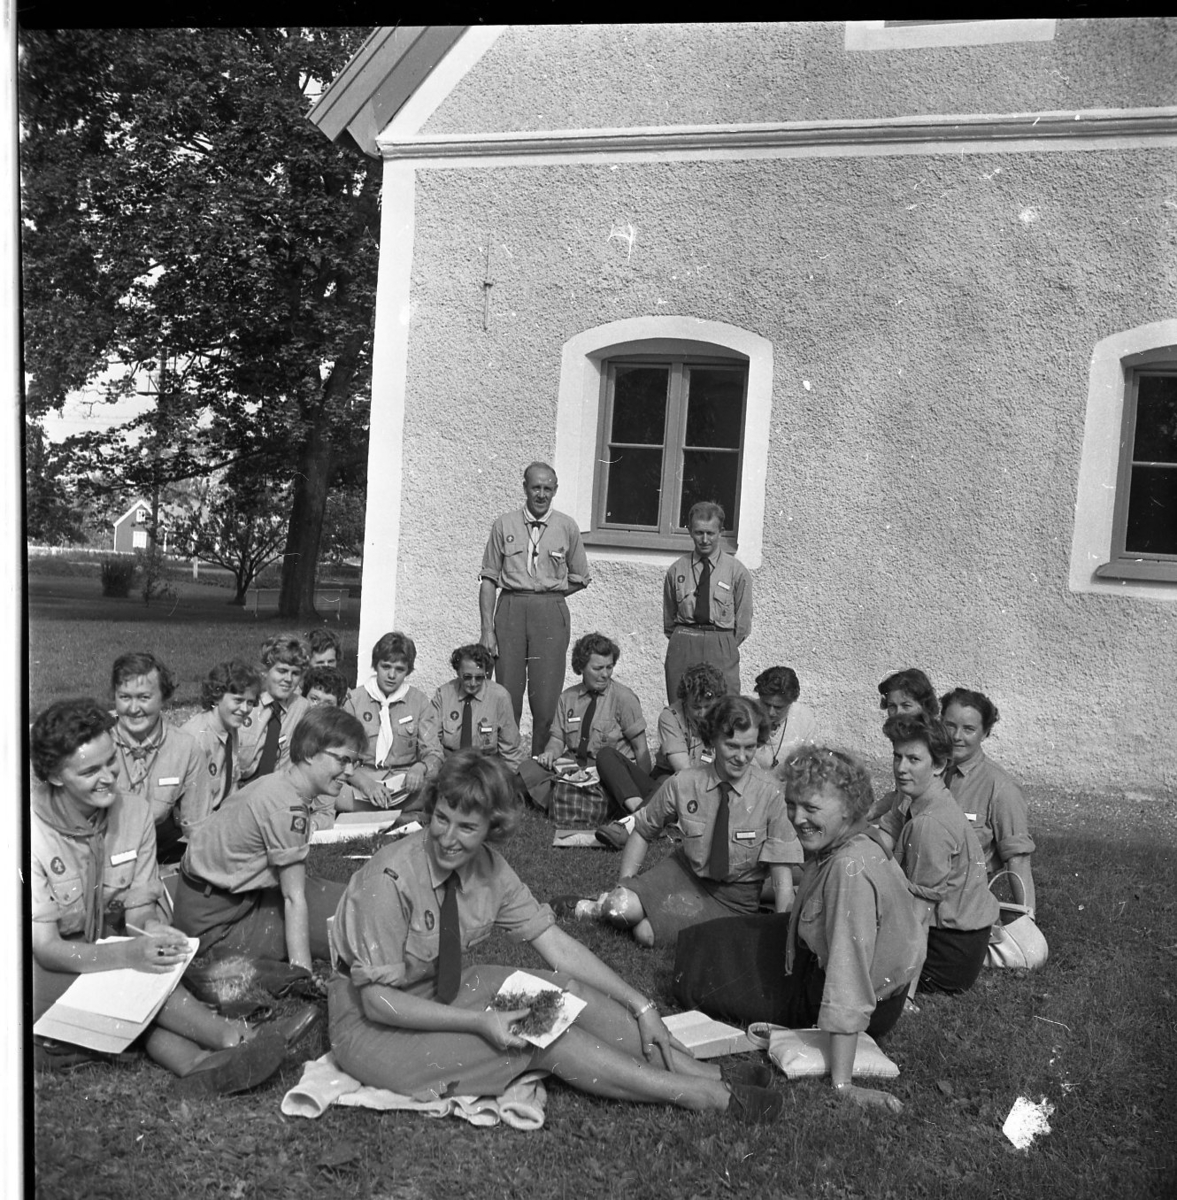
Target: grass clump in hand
{"type": "Point", "coordinates": [545, 1010]}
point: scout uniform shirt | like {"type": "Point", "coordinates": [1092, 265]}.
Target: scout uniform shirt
{"type": "Point", "coordinates": [65, 870]}
{"type": "Point", "coordinates": [410, 720]}
{"type": "Point", "coordinates": [492, 722]}
{"type": "Point", "coordinates": [242, 845]}
{"type": "Point", "coordinates": [251, 737]}
{"type": "Point", "coordinates": [617, 718]}
{"type": "Point", "coordinates": [731, 594]}
{"type": "Point", "coordinates": [519, 557]}
{"type": "Point", "coordinates": [995, 808]}
{"type": "Point", "coordinates": [675, 737]}
{"type": "Point", "coordinates": [854, 912]}
{"type": "Point", "coordinates": [940, 855]}
{"type": "Point", "coordinates": [759, 831]}
{"type": "Point", "coordinates": [221, 756]}
{"type": "Point", "coordinates": [166, 770]}
{"type": "Point", "coordinates": [388, 923]}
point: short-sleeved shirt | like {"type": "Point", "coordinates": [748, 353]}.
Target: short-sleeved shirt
{"type": "Point", "coordinates": [616, 719]}
{"type": "Point", "coordinates": [251, 737]}
{"type": "Point", "coordinates": [493, 727]}
{"type": "Point", "coordinates": [245, 843]}
{"type": "Point", "coordinates": [165, 770]}
{"type": "Point", "coordinates": [854, 911]}
{"type": "Point", "coordinates": [213, 744]}
{"type": "Point", "coordinates": [799, 728]}
{"type": "Point", "coordinates": [388, 923]}
{"type": "Point", "coordinates": [759, 831]}
{"type": "Point", "coordinates": [560, 560]}
{"type": "Point", "coordinates": [414, 734]}
{"type": "Point", "coordinates": [941, 857]}
{"type": "Point", "coordinates": [996, 809]}
{"type": "Point", "coordinates": [731, 594]}
{"type": "Point", "coordinates": [59, 867]}
{"type": "Point", "coordinates": [675, 737]}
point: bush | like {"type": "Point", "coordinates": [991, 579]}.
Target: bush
{"type": "Point", "coordinates": [118, 574]}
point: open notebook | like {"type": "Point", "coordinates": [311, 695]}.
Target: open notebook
{"type": "Point", "coordinates": [108, 1010]}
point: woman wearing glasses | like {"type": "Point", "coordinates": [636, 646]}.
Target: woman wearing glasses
{"type": "Point", "coordinates": [473, 712]}
{"type": "Point", "coordinates": [243, 882]}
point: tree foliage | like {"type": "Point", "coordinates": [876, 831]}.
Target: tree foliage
{"type": "Point", "coordinates": [183, 220]}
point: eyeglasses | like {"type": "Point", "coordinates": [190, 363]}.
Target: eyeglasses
{"type": "Point", "coordinates": [472, 678]}
{"type": "Point", "coordinates": [344, 760]}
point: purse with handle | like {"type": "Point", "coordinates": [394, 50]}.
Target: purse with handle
{"type": "Point", "coordinates": [1016, 940]}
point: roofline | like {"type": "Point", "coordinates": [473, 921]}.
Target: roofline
{"type": "Point", "coordinates": [138, 504]}
{"type": "Point", "coordinates": [382, 74]}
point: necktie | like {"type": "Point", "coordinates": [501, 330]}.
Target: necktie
{"type": "Point", "coordinates": [703, 594]}
{"type": "Point", "coordinates": [950, 773]}
{"type": "Point", "coordinates": [227, 769]}
{"type": "Point", "coordinates": [467, 738]}
{"type": "Point", "coordinates": [269, 759]}
{"type": "Point", "coordinates": [535, 530]}
{"type": "Point", "coordinates": [586, 725]}
{"type": "Point", "coordinates": [717, 864]}
{"type": "Point", "coordinates": [449, 945]}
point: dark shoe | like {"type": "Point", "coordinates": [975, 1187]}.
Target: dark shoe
{"type": "Point", "coordinates": [565, 906]}
{"type": "Point", "coordinates": [755, 1075]}
{"type": "Point", "coordinates": [751, 1105]}
{"type": "Point", "coordinates": [299, 1023]}
{"type": "Point", "coordinates": [614, 835]}
{"type": "Point", "coordinates": [237, 1069]}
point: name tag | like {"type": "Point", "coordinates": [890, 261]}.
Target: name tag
{"type": "Point", "coordinates": [170, 781]}
{"type": "Point", "coordinates": [745, 835]}
{"type": "Point", "coordinates": [573, 720]}
{"type": "Point", "coordinates": [971, 816]}
{"type": "Point", "coordinates": [726, 587]}
{"type": "Point", "coordinates": [404, 720]}
{"type": "Point", "coordinates": [126, 856]}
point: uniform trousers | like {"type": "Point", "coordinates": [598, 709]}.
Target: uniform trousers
{"type": "Point", "coordinates": [955, 958]}
{"type": "Point", "coordinates": [622, 779]}
{"type": "Point", "coordinates": [691, 644]}
{"type": "Point", "coordinates": [532, 630]}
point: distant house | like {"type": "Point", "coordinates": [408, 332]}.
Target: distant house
{"type": "Point", "coordinates": [131, 529]}
{"type": "Point", "coordinates": [901, 295]}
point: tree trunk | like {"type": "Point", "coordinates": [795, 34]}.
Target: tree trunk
{"type": "Point", "coordinates": [296, 600]}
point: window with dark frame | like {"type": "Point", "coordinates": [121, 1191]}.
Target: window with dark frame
{"type": "Point", "coordinates": [671, 434]}
{"type": "Point", "coordinates": [1144, 528]}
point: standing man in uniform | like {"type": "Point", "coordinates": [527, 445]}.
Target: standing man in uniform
{"type": "Point", "coordinates": [706, 603]}
{"type": "Point", "coordinates": [535, 556]}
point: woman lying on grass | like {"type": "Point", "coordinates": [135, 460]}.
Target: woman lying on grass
{"type": "Point", "coordinates": [94, 875]}
{"type": "Point", "coordinates": [405, 1016]}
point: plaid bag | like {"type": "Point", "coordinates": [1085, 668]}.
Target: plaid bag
{"type": "Point", "coordinates": [577, 807]}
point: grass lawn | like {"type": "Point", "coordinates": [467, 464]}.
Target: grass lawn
{"type": "Point", "coordinates": [1095, 1032]}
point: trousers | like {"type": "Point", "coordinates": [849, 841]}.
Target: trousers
{"type": "Point", "coordinates": [532, 630]}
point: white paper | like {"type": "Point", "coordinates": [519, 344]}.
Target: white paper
{"type": "Point", "coordinates": [1027, 1120]}
{"type": "Point", "coordinates": [345, 833]}
{"type": "Point", "coordinates": [529, 985]}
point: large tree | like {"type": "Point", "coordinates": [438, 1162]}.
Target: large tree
{"type": "Point", "coordinates": [183, 221]}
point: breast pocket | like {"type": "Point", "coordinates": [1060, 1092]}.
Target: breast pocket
{"type": "Point", "coordinates": [692, 828]}
{"type": "Point", "coordinates": [421, 944]}
{"type": "Point", "coordinates": [67, 892]}
{"type": "Point", "coordinates": [478, 935]}
{"type": "Point", "coordinates": [811, 917]}
{"type": "Point", "coordinates": [745, 851]}
{"type": "Point", "coordinates": [722, 606]}
{"type": "Point", "coordinates": [163, 799]}
{"type": "Point", "coordinates": [559, 563]}
{"type": "Point", "coordinates": [404, 739]}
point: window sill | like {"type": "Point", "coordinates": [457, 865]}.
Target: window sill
{"type": "Point", "coordinates": [1157, 570]}
{"type": "Point", "coordinates": [674, 543]}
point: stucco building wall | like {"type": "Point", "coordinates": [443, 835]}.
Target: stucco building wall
{"type": "Point", "coordinates": [932, 320]}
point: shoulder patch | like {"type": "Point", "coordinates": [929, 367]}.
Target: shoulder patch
{"type": "Point", "coordinates": [429, 919]}
{"type": "Point", "coordinates": [57, 866]}
{"type": "Point", "coordinates": [212, 768]}
{"type": "Point", "coordinates": [298, 824]}
{"type": "Point", "coordinates": [692, 806]}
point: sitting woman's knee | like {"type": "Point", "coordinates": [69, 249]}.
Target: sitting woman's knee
{"type": "Point", "coordinates": [622, 908]}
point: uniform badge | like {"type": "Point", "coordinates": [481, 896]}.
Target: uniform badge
{"type": "Point", "coordinates": [429, 919]}
{"type": "Point", "coordinates": [247, 721]}
{"type": "Point", "coordinates": [298, 824]}
{"type": "Point", "coordinates": [367, 715]}
{"type": "Point", "coordinates": [693, 806]}
{"type": "Point", "coordinates": [682, 579]}
{"type": "Point", "coordinates": [510, 537]}
{"type": "Point", "coordinates": [57, 866]}
{"type": "Point", "coordinates": [212, 768]}
{"type": "Point", "coordinates": [454, 715]}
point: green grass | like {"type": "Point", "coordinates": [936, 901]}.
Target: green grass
{"type": "Point", "coordinates": [1095, 1032]}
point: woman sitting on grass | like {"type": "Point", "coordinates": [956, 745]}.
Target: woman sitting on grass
{"type": "Point", "coordinates": [94, 875]}
{"type": "Point", "coordinates": [406, 1016]}
{"type": "Point", "coordinates": [243, 883]}
{"type": "Point", "coordinates": [736, 832]}
{"type": "Point", "coordinates": [939, 854]}
{"type": "Point", "coordinates": [681, 747]}
{"type": "Point", "coordinates": [792, 723]}
{"type": "Point", "coordinates": [989, 798]}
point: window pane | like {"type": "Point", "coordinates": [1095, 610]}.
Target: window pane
{"type": "Point", "coordinates": [709, 475]}
{"type": "Point", "coordinates": [1152, 511]}
{"type": "Point", "coordinates": [635, 487]}
{"type": "Point", "coordinates": [639, 405]}
{"type": "Point", "coordinates": [715, 407]}
{"type": "Point", "coordinates": [1156, 419]}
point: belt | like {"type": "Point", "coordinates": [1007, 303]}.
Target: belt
{"type": "Point", "coordinates": [527, 592]}
{"type": "Point", "coordinates": [203, 885]}
{"type": "Point", "coordinates": [703, 625]}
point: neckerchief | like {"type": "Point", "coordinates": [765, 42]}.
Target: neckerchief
{"type": "Point", "coordinates": [384, 738]}
{"type": "Point", "coordinates": [137, 758]}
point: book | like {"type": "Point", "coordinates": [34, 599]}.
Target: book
{"type": "Point", "coordinates": [108, 1010]}
{"type": "Point", "coordinates": [706, 1037]}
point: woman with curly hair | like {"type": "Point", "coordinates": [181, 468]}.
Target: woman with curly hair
{"type": "Point", "coordinates": [792, 723]}
{"type": "Point", "coordinates": [405, 1015]}
{"type": "Point", "coordinates": [908, 692]}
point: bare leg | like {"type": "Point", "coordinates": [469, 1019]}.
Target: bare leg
{"type": "Point", "coordinates": [194, 1022]}
{"type": "Point", "coordinates": [623, 909]}
{"type": "Point", "coordinates": [588, 1064]}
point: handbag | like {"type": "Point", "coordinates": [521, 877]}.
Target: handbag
{"type": "Point", "coordinates": [1016, 940]}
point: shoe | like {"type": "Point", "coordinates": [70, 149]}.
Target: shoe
{"type": "Point", "coordinates": [236, 1069]}
{"type": "Point", "coordinates": [614, 835]}
{"type": "Point", "coordinates": [299, 1023]}
{"type": "Point", "coordinates": [751, 1105]}
{"type": "Point", "coordinates": [565, 906]}
{"type": "Point", "coordinates": [755, 1075]}
{"type": "Point", "coordinates": [49, 1055]}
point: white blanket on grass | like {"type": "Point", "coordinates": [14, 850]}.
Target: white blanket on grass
{"type": "Point", "coordinates": [324, 1082]}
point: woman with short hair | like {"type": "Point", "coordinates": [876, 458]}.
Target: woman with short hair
{"type": "Point", "coordinates": [907, 693]}
{"type": "Point", "coordinates": [792, 723]}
